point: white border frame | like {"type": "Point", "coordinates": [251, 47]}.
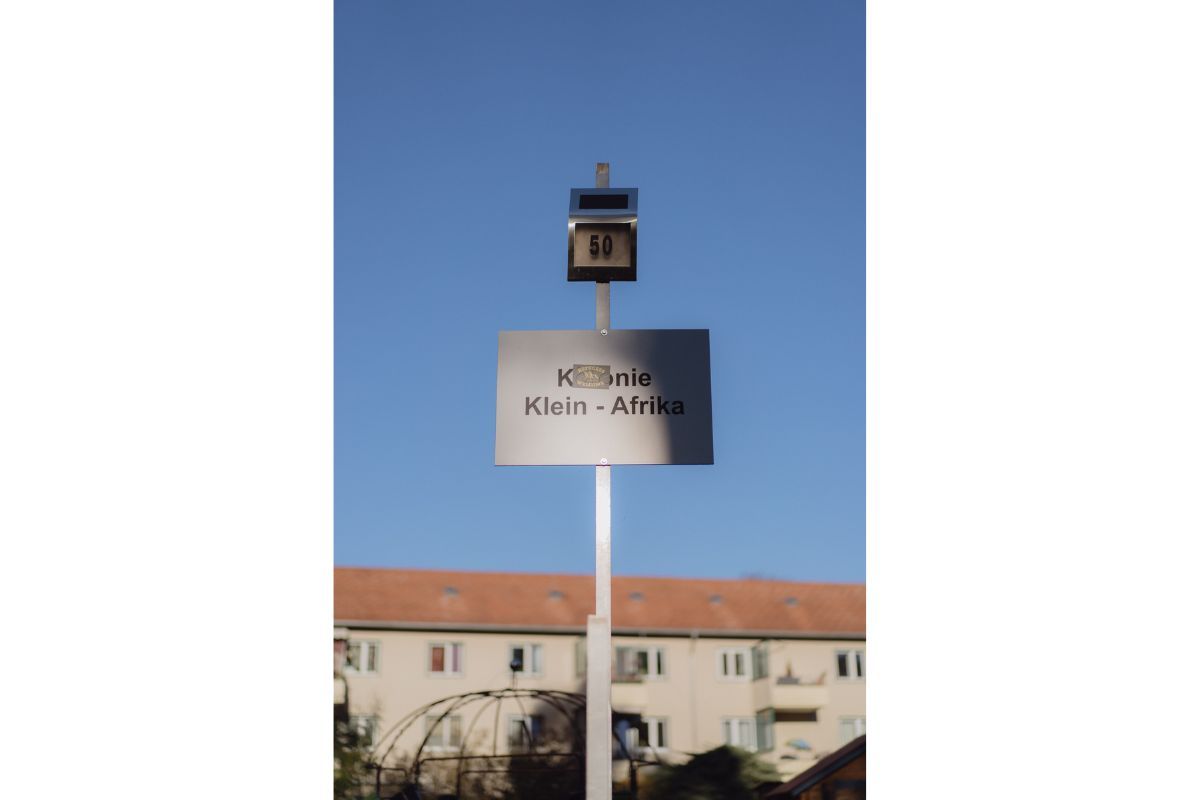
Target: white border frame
{"type": "Point", "coordinates": [746, 662]}
{"type": "Point", "coordinates": [363, 673]}
{"type": "Point", "coordinates": [850, 662]}
{"type": "Point", "coordinates": [528, 658]}
{"type": "Point", "coordinates": [753, 732]}
{"type": "Point", "coordinates": [444, 748]}
{"type": "Point", "coordinates": [447, 643]}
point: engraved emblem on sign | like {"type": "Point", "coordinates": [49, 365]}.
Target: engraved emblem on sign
{"type": "Point", "coordinates": [592, 376]}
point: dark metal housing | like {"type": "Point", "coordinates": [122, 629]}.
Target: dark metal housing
{"type": "Point", "coordinates": [608, 213]}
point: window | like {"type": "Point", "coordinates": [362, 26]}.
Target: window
{"type": "Point", "coordinates": [640, 662]}
{"type": "Point", "coordinates": [362, 657]}
{"type": "Point", "coordinates": [764, 730]}
{"type": "Point", "coordinates": [525, 659]}
{"type": "Point", "coordinates": [851, 728]}
{"type": "Point", "coordinates": [733, 663]}
{"type": "Point", "coordinates": [445, 658]}
{"type": "Point", "coordinates": [364, 728]}
{"type": "Point", "coordinates": [651, 732]}
{"type": "Point", "coordinates": [851, 664]}
{"type": "Point", "coordinates": [524, 732]}
{"type": "Point", "coordinates": [759, 656]}
{"type": "Point", "coordinates": [739, 732]}
{"type": "Point", "coordinates": [443, 732]}
{"type": "Point", "coordinates": [580, 657]}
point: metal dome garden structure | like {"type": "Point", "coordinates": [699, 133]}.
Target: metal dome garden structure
{"type": "Point", "coordinates": [531, 763]}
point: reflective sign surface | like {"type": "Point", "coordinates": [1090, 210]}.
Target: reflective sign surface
{"type": "Point", "coordinates": [582, 397]}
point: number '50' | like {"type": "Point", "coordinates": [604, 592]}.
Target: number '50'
{"type": "Point", "coordinates": [597, 246]}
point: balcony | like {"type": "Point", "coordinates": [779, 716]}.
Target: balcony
{"type": "Point", "coordinates": [629, 693]}
{"type": "Point", "coordinates": [790, 693]}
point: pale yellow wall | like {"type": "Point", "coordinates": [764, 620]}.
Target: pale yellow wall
{"type": "Point", "coordinates": [691, 696]}
{"type": "Point", "coordinates": [846, 697]}
{"type": "Point", "coordinates": [403, 682]}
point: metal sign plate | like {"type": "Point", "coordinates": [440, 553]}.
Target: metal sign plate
{"type": "Point", "coordinates": [582, 397]}
{"type": "Point", "coordinates": [602, 244]}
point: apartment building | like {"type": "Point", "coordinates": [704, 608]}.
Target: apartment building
{"type": "Point", "coordinates": [770, 666]}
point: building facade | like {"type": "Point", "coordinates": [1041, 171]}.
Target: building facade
{"type": "Point", "coordinates": [774, 667]}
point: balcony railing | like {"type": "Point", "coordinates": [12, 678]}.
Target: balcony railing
{"type": "Point", "coordinates": [791, 693]}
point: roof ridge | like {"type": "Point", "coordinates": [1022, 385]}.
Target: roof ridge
{"type": "Point", "coordinates": [586, 576]}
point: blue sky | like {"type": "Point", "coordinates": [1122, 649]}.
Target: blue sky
{"type": "Point", "coordinates": [459, 130]}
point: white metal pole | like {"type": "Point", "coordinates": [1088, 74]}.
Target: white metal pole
{"type": "Point", "coordinates": [602, 306]}
{"type": "Point", "coordinates": [604, 542]}
{"type": "Point", "coordinates": [599, 715]}
{"type": "Point", "coordinates": [599, 628]}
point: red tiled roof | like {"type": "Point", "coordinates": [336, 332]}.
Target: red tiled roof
{"type": "Point", "coordinates": [434, 598]}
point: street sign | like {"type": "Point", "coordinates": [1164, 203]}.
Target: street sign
{"type": "Point", "coordinates": [603, 397]}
